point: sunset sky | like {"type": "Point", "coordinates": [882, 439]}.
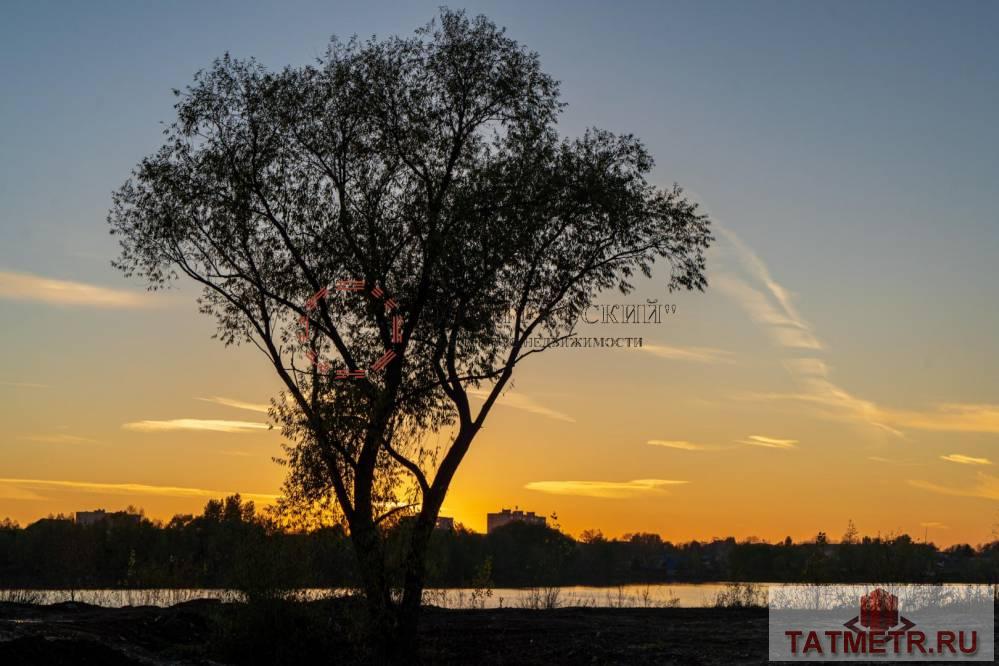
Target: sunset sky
{"type": "Point", "coordinates": [842, 364]}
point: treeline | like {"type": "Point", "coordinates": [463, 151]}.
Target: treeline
{"type": "Point", "coordinates": [230, 546]}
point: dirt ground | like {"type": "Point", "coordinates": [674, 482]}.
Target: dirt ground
{"type": "Point", "coordinates": [214, 633]}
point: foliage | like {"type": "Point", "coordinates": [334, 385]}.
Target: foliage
{"type": "Point", "coordinates": [245, 552]}
{"type": "Point", "coordinates": [741, 595]}
{"type": "Point", "coordinates": [482, 583]}
{"type": "Point", "coordinates": [430, 167]}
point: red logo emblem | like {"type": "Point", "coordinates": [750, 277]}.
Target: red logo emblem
{"type": "Point", "coordinates": [375, 292]}
{"type": "Point", "coordinates": [879, 612]}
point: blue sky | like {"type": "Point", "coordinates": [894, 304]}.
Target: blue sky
{"type": "Point", "coordinates": [846, 123]}
{"type": "Point", "coordinates": [853, 146]}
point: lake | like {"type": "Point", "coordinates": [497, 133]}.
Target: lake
{"type": "Point", "coordinates": [658, 595]}
{"type": "Point", "coordinates": [688, 595]}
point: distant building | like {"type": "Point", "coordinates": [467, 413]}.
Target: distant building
{"type": "Point", "coordinates": [91, 517]}
{"type": "Point", "coordinates": [445, 523]}
{"type": "Point", "coordinates": [506, 516]}
{"type": "Point", "coordinates": [100, 517]}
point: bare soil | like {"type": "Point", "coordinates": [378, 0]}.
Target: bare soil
{"type": "Point", "coordinates": [205, 632]}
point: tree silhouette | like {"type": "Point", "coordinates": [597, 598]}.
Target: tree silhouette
{"type": "Point", "coordinates": [404, 198]}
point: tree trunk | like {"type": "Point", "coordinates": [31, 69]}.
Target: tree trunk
{"type": "Point", "coordinates": [414, 581]}
{"type": "Point", "coordinates": [392, 627]}
{"type": "Point", "coordinates": [415, 578]}
{"type": "Point", "coordinates": [380, 621]}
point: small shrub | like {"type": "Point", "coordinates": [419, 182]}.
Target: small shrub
{"type": "Point", "coordinates": [741, 595]}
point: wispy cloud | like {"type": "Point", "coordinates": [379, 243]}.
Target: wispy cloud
{"type": "Point", "coordinates": [771, 306]}
{"type": "Point", "coordinates": [683, 445]}
{"type": "Point", "coordinates": [28, 385]}
{"type": "Point", "coordinates": [213, 425]}
{"type": "Point", "coordinates": [834, 402]}
{"type": "Point", "coordinates": [785, 331]}
{"type": "Point", "coordinates": [58, 439]}
{"type": "Point", "coordinates": [238, 404]}
{"type": "Point", "coordinates": [695, 354]}
{"type": "Point", "coordinates": [965, 460]}
{"type": "Point", "coordinates": [935, 525]}
{"type": "Point", "coordinates": [888, 429]}
{"type": "Point", "coordinates": [604, 489]}
{"type": "Point", "coordinates": [951, 417]}
{"type": "Point", "coordinates": [28, 287]}
{"type": "Point", "coordinates": [29, 485]}
{"type": "Point", "coordinates": [523, 402]}
{"type": "Point", "coordinates": [985, 487]}
{"type": "Point", "coordinates": [892, 461]}
{"type": "Point", "coordinates": [769, 442]}
{"type": "Point", "coordinates": [828, 399]}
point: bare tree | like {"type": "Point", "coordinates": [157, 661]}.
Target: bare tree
{"type": "Point", "coordinates": [393, 228]}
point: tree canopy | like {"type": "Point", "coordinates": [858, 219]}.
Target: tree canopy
{"type": "Point", "coordinates": [428, 171]}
